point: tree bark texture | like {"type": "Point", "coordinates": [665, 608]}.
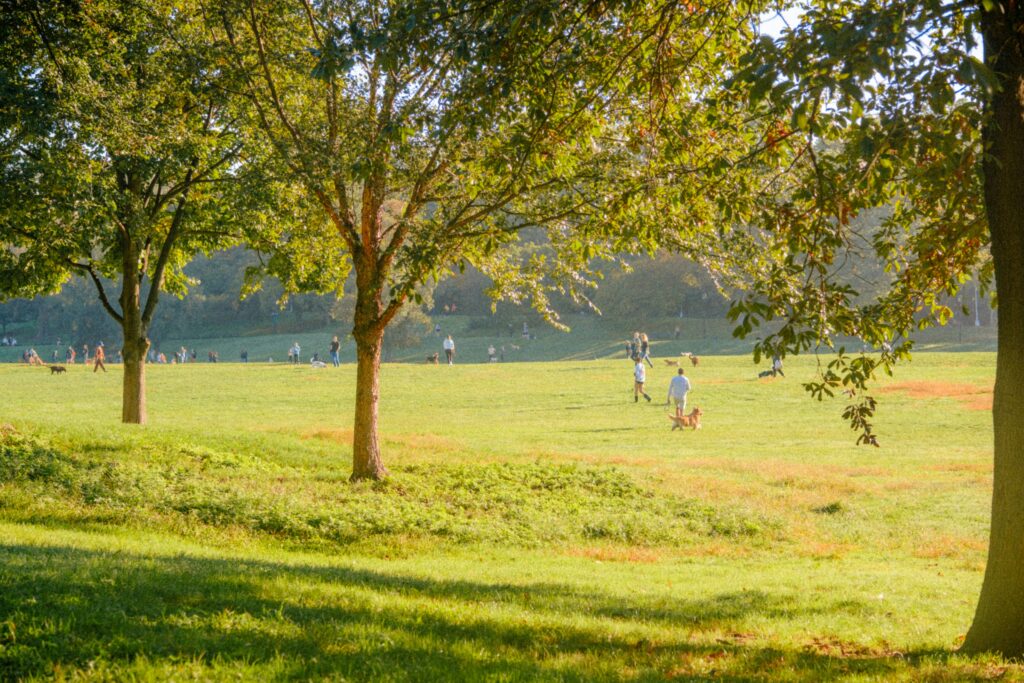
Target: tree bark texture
{"type": "Point", "coordinates": [135, 344]}
{"type": "Point", "coordinates": [368, 332]}
{"type": "Point", "coordinates": [999, 619]}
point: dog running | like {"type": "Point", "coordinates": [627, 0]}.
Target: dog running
{"type": "Point", "coordinates": [57, 369]}
{"type": "Point", "coordinates": [682, 421]}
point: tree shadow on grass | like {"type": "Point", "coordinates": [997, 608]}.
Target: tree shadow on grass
{"type": "Point", "coordinates": [70, 607]}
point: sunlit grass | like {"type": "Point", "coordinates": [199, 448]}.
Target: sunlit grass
{"type": "Point", "coordinates": [539, 525]}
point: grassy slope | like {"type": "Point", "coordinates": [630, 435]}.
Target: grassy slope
{"type": "Point", "coordinates": [539, 525]}
{"type": "Point", "coordinates": [591, 338]}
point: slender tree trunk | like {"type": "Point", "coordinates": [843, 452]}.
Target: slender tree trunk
{"type": "Point", "coordinates": [135, 345]}
{"type": "Point", "coordinates": [368, 333]}
{"type": "Point", "coordinates": [133, 394]}
{"type": "Point", "coordinates": [999, 620]}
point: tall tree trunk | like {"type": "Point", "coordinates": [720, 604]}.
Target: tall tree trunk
{"type": "Point", "coordinates": [999, 620]}
{"type": "Point", "coordinates": [135, 346]}
{"type": "Point", "coordinates": [368, 332]}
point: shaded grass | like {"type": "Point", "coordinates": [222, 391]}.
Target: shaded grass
{"type": "Point", "coordinates": [138, 608]}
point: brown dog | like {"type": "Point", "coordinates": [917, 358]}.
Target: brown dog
{"type": "Point", "coordinates": [671, 363]}
{"type": "Point", "coordinates": [433, 358]}
{"type": "Point", "coordinates": [683, 421]}
{"type": "Point", "coordinates": [57, 369]}
{"type": "Point", "coordinates": [694, 360]}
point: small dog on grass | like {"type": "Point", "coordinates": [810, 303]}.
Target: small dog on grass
{"type": "Point", "coordinates": [57, 369]}
{"type": "Point", "coordinates": [671, 363]}
{"type": "Point", "coordinates": [432, 358]}
{"type": "Point", "coordinates": [683, 421]}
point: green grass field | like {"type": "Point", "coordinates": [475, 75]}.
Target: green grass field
{"type": "Point", "coordinates": [538, 525]}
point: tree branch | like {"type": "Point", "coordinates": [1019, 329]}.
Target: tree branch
{"type": "Point", "coordinates": [88, 268]}
{"type": "Point", "coordinates": [165, 254]}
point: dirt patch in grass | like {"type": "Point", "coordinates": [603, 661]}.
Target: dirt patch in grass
{"type": "Point", "coordinates": [970, 396]}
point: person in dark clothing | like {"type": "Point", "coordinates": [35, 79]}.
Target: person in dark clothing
{"type": "Point", "coordinates": [335, 351]}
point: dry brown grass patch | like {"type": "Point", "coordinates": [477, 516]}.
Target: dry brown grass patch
{"type": "Point", "coordinates": [979, 467]}
{"type": "Point", "coordinates": [618, 554]}
{"type": "Point", "coordinates": [970, 396]}
{"type": "Point", "coordinates": [333, 435]}
{"type": "Point", "coordinates": [946, 546]}
{"type": "Point", "coordinates": [832, 646]}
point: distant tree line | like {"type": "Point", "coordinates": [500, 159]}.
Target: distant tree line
{"type": "Point", "coordinates": [650, 289]}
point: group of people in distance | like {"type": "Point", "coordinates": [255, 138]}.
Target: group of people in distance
{"type": "Point", "coordinates": [639, 348]}
{"type": "Point", "coordinates": [99, 356]}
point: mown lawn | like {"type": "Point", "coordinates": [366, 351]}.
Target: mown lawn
{"type": "Point", "coordinates": [538, 525]}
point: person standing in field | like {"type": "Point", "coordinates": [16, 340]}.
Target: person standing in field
{"type": "Point", "coordinates": [449, 348]}
{"type": "Point", "coordinates": [677, 390]}
{"type": "Point", "coordinates": [645, 349]}
{"type": "Point", "coordinates": [85, 354]}
{"type": "Point", "coordinates": [69, 355]}
{"type": "Point", "coordinates": [98, 359]}
{"type": "Point", "coordinates": [639, 377]}
{"type": "Point", "coordinates": [777, 366]}
{"type": "Point", "coordinates": [335, 351]}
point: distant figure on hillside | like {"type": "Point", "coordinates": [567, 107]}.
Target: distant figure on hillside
{"type": "Point", "coordinates": [161, 358]}
{"type": "Point", "coordinates": [54, 356]}
{"type": "Point", "coordinates": [645, 349]}
{"type": "Point", "coordinates": [98, 358]}
{"type": "Point", "coordinates": [336, 351]}
{"type": "Point", "coordinates": [526, 331]}
{"type": "Point", "coordinates": [449, 348]}
{"type": "Point", "coordinates": [69, 355]}
{"type": "Point", "coordinates": [294, 352]}
{"type": "Point", "coordinates": [211, 356]}
{"type": "Point", "coordinates": [639, 377]}
{"type": "Point", "coordinates": [777, 366]}
{"type": "Point", "coordinates": [492, 354]}
{"type": "Point", "coordinates": [85, 354]}
{"type": "Point", "coordinates": [677, 390]}
{"type": "Point", "coordinates": [244, 355]}
{"type": "Point", "coordinates": [677, 332]}
{"type": "Point", "coordinates": [195, 356]}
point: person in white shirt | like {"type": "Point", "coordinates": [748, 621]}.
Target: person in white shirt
{"type": "Point", "coordinates": [639, 377]}
{"type": "Point", "coordinates": [677, 389]}
{"type": "Point", "coordinates": [449, 348]}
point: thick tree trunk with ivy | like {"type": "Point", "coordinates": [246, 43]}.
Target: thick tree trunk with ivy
{"type": "Point", "coordinates": [999, 620]}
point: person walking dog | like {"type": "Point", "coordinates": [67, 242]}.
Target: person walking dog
{"type": "Point", "coordinates": [677, 390]}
